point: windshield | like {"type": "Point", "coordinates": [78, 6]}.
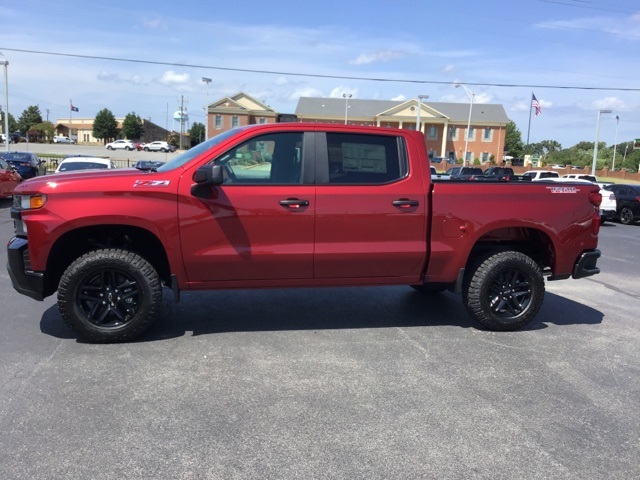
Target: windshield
{"type": "Point", "coordinates": [192, 153]}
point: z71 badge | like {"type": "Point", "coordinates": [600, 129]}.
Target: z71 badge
{"type": "Point", "coordinates": [151, 183]}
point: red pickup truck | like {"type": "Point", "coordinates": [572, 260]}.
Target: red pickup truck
{"type": "Point", "coordinates": [294, 205]}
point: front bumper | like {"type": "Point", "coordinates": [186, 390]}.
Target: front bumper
{"type": "Point", "coordinates": [24, 280]}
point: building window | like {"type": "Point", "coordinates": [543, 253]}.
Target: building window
{"type": "Point", "coordinates": [432, 133]}
{"type": "Point", "coordinates": [262, 120]}
{"type": "Point", "coordinates": [471, 134]}
{"type": "Point", "coordinates": [487, 135]}
{"type": "Point", "coordinates": [218, 122]}
{"type": "Point", "coordinates": [469, 157]}
{"type": "Point", "coordinates": [453, 133]}
{"type": "Point", "coordinates": [485, 157]}
{"type": "Point", "coordinates": [235, 121]}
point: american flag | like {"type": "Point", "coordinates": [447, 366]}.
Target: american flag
{"type": "Point", "coordinates": [72, 108]}
{"type": "Point", "coordinates": [535, 104]}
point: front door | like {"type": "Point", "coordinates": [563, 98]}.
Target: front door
{"type": "Point", "coordinates": [258, 225]}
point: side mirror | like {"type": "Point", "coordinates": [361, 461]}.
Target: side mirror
{"type": "Point", "coordinates": [206, 177]}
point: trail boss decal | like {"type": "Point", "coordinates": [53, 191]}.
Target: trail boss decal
{"type": "Point", "coordinates": [563, 189]}
{"type": "Point", "coordinates": [151, 183]}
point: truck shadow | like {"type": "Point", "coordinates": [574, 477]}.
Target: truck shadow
{"type": "Point", "coordinates": [205, 313]}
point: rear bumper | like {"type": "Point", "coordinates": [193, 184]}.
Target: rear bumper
{"type": "Point", "coordinates": [24, 280]}
{"type": "Point", "coordinates": [586, 264]}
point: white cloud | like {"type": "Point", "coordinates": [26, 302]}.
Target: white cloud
{"type": "Point", "coordinates": [281, 81]}
{"type": "Point", "coordinates": [399, 98]}
{"type": "Point", "coordinates": [611, 103]}
{"type": "Point", "coordinates": [304, 92]}
{"type": "Point", "coordinates": [382, 56]}
{"type": "Point", "coordinates": [171, 78]}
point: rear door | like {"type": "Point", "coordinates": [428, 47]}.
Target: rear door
{"type": "Point", "coordinates": [370, 208]}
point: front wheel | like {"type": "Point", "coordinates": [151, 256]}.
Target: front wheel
{"type": "Point", "coordinates": [626, 216]}
{"type": "Point", "coordinates": [505, 291]}
{"type": "Point", "coordinates": [109, 295]}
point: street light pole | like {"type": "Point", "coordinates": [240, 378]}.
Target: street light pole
{"type": "Point", "coordinates": [615, 145]}
{"type": "Point", "coordinates": [420, 98]}
{"type": "Point", "coordinates": [466, 136]}
{"type": "Point", "coordinates": [207, 81]}
{"type": "Point", "coordinates": [346, 97]}
{"type": "Point", "coordinates": [595, 147]}
{"type": "Point", "coordinates": [7, 137]}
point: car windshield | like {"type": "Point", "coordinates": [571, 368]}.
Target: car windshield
{"type": "Point", "coordinates": [69, 166]}
{"type": "Point", "coordinates": [192, 153]}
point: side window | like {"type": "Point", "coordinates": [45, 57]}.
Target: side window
{"type": "Point", "coordinates": [365, 159]}
{"type": "Point", "coordinates": [268, 159]}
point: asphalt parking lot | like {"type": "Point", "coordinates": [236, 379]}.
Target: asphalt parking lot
{"type": "Point", "coordinates": [354, 383]}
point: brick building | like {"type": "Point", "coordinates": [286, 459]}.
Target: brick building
{"type": "Point", "coordinates": [443, 123]}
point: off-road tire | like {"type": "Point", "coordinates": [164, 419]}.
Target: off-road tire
{"type": "Point", "coordinates": [504, 290]}
{"type": "Point", "coordinates": [626, 216]}
{"type": "Point", "coordinates": [109, 295]}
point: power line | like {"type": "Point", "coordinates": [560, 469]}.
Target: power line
{"type": "Point", "coordinates": [317, 75]}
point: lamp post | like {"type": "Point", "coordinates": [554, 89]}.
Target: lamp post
{"type": "Point", "coordinates": [595, 147]}
{"type": "Point", "coordinates": [346, 97]}
{"type": "Point", "coordinates": [7, 138]}
{"type": "Point", "coordinates": [420, 98]}
{"type": "Point", "coordinates": [466, 136]}
{"type": "Point", "coordinates": [615, 145]}
{"type": "Point", "coordinates": [207, 81]}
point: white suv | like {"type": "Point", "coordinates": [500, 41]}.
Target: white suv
{"type": "Point", "coordinates": [158, 146]}
{"type": "Point", "coordinates": [121, 145]}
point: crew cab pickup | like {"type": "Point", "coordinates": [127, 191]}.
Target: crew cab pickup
{"type": "Point", "coordinates": [293, 205]}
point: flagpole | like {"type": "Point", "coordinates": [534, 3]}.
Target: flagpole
{"type": "Point", "coordinates": [530, 107]}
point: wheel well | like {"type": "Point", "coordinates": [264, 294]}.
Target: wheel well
{"type": "Point", "coordinates": [533, 243]}
{"type": "Point", "coordinates": [76, 243]}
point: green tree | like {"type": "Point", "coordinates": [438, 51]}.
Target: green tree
{"type": "Point", "coordinates": [197, 133]}
{"type": "Point", "coordinates": [105, 125]}
{"type": "Point", "coordinates": [132, 127]}
{"type": "Point", "coordinates": [30, 116]}
{"type": "Point", "coordinates": [46, 130]}
{"type": "Point", "coordinates": [13, 125]}
{"type": "Point", "coordinates": [513, 141]}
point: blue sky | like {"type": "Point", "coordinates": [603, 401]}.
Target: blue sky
{"type": "Point", "coordinates": [279, 50]}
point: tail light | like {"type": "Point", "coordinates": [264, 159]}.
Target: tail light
{"type": "Point", "coordinates": [595, 198]}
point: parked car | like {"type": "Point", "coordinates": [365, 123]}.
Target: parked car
{"type": "Point", "coordinates": [148, 164]}
{"type": "Point", "coordinates": [13, 137]}
{"type": "Point", "coordinates": [159, 146]}
{"type": "Point", "coordinates": [122, 144]}
{"type": "Point", "coordinates": [608, 206]}
{"type": "Point", "coordinates": [438, 176]}
{"type": "Point", "coordinates": [627, 202]}
{"type": "Point", "coordinates": [139, 145]}
{"type": "Point", "coordinates": [446, 160]}
{"type": "Point", "coordinates": [558, 167]}
{"type": "Point", "coordinates": [499, 173]}
{"type": "Point", "coordinates": [464, 173]}
{"type": "Point", "coordinates": [535, 175]}
{"type": "Point", "coordinates": [82, 162]}
{"type": "Point", "coordinates": [62, 139]}
{"type": "Point", "coordinates": [27, 164]}
{"type": "Point", "coordinates": [9, 179]}
{"type": "Point", "coordinates": [581, 176]}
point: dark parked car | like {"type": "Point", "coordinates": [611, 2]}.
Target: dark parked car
{"type": "Point", "coordinates": [628, 202]}
{"type": "Point", "coordinates": [27, 164]}
{"type": "Point", "coordinates": [9, 179]}
{"type": "Point", "coordinates": [148, 164]}
{"type": "Point", "coordinates": [464, 173]}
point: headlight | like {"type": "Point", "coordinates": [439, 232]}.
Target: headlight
{"type": "Point", "coordinates": [29, 202]}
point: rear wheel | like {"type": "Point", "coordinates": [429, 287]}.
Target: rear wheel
{"type": "Point", "coordinates": [626, 215]}
{"type": "Point", "coordinates": [504, 291]}
{"type": "Point", "coordinates": [109, 295]}
{"type": "Point", "coordinates": [109, 147]}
